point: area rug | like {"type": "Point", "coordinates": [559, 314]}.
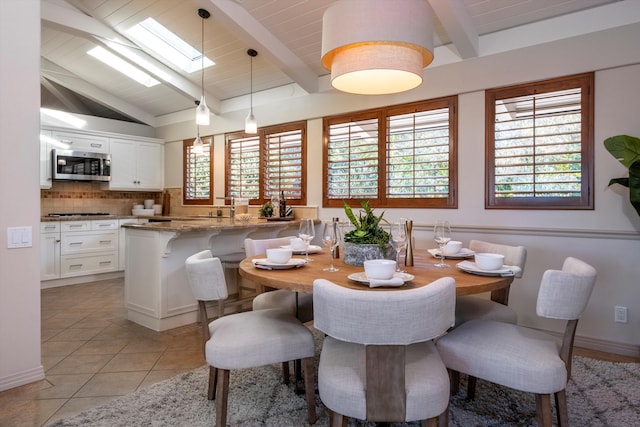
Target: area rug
{"type": "Point", "coordinates": [599, 394]}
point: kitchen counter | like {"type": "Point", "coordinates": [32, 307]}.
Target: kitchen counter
{"type": "Point", "coordinates": [157, 294]}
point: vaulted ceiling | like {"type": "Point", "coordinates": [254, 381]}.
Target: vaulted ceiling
{"type": "Point", "coordinates": [286, 33]}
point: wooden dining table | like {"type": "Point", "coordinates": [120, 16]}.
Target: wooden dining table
{"type": "Point", "coordinates": [301, 279]}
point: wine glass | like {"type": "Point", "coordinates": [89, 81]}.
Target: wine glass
{"type": "Point", "coordinates": [307, 232]}
{"type": "Point", "coordinates": [398, 240]}
{"type": "Point", "coordinates": [442, 235]}
{"type": "Point", "coordinates": [331, 239]}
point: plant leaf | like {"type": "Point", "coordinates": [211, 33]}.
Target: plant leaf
{"type": "Point", "coordinates": [349, 212]}
{"type": "Point", "coordinates": [625, 148]}
{"type": "Point", "coordinates": [621, 181]}
{"type": "Point", "coordinates": [634, 185]}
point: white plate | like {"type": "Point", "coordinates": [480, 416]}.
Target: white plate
{"type": "Point", "coordinates": [265, 264]}
{"type": "Point", "coordinates": [471, 267]}
{"type": "Point", "coordinates": [362, 277]}
{"type": "Point", "coordinates": [464, 253]}
{"type": "Point", "coordinates": [313, 249]}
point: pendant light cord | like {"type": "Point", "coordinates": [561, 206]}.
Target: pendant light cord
{"type": "Point", "coordinates": [202, 57]}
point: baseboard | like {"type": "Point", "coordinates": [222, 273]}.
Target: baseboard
{"type": "Point", "coordinates": [22, 378]}
{"type": "Point", "coordinates": [80, 279]}
{"type": "Point", "coordinates": [631, 350]}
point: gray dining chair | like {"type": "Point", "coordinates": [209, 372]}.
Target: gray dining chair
{"type": "Point", "coordinates": [471, 307]}
{"type": "Point", "coordinates": [245, 340]}
{"type": "Point", "coordinates": [378, 361]}
{"type": "Point", "coordinates": [300, 304]}
{"type": "Point", "coordinates": [523, 358]}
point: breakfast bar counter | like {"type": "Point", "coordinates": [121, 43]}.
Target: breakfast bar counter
{"type": "Point", "coordinates": [157, 294]}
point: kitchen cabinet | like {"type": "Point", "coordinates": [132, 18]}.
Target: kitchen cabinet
{"type": "Point", "coordinates": [136, 165]}
{"type": "Point", "coordinates": [81, 141]}
{"type": "Point", "coordinates": [88, 247]}
{"type": "Point", "coordinates": [49, 250]}
{"type": "Point", "coordinates": [45, 161]}
{"type": "Point", "coordinates": [122, 250]}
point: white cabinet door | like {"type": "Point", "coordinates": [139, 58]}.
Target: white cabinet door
{"type": "Point", "coordinates": [49, 250]}
{"type": "Point", "coordinates": [150, 166]}
{"type": "Point", "coordinates": [45, 161]}
{"type": "Point", "coordinates": [136, 165]}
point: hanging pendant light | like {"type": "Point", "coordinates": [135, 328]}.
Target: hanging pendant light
{"type": "Point", "coordinates": [250, 123]}
{"type": "Point", "coordinates": [198, 146]}
{"type": "Point", "coordinates": [202, 111]}
{"type": "Point", "coordinates": [375, 47]}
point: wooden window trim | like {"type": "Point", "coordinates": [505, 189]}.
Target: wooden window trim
{"type": "Point", "coordinates": [451, 202]}
{"type": "Point", "coordinates": [585, 202]}
{"type": "Point", "coordinates": [263, 133]}
{"type": "Point", "coordinates": [188, 143]}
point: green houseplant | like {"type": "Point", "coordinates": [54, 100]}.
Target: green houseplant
{"type": "Point", "coordinates": [368, 240]}
{"type": "Point", "coordinates": [626, 149]}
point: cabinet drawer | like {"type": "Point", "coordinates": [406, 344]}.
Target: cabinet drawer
{"type": "Point", "coordinates": [104, 224]}
{"type": "Point", "coordinates": [83, 142]}
{"type": "Point", "coordinates": [76, 225]}
{"type": "Point", "coordinates": [89, 241]}
{"type": "Point", "coordinates": [50, 227]}
{"type": "Point", "coordinates": [79, 265]}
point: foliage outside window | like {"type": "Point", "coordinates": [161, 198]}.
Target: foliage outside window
{"type": "Point", "coordinates": [263, 165]}
{"type": "Point", "coordinates": [197, 188]}
{"type": "Point", "coordinates": [400, 156]}
{"type": "Point", "coordinates": [539, 144]}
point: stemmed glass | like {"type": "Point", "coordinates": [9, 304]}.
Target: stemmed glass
{"type": "Point", "coordinates": [398, 240]}
{"type": "Point", "coordinates": [307, 232]}
{"type": "Point", "coordinates": [331, 239]}
{"type": "Point", "coordinates": [442, 235]}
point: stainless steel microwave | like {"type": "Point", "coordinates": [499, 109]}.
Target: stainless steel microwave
{"type": "Point", "coordinates": [70, 165]}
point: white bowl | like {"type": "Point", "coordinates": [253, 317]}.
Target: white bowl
{"type": "Point", "coordinates": [297, 244]}
{"type": "Point", "coordinates": [452, 247]}
{"type": "Point", "coordinates": [157, 209]}
{"type": "Point", "coordinates": [278, 255]}
{"type": "Point", "coordinates": [487, 261]}
{"type": "Point", "coordinates": [138, 206]}
{"type": "Point", "coordinates": [379, 269]}
{"type": "Point", "coordinates": [148, 204]}
{"type": "Point", "coordinates": [142, 212]}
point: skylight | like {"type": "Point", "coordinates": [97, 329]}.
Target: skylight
{"type": "Point", "coordinates": [123, 66]}
{"type": "Point", "coordinates": [166, 44]}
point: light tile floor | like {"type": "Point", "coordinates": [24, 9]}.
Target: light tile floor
{"type": "Point", "coordinates": [92, 354]}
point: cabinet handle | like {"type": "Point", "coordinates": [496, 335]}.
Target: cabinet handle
{"type": "Point", "coordinates": [105, 262]}
{"type": "Point", "coordinates": [49, 227]}
{"type": "Point", "coordinates": [105, 242]}
{"type": "Point", "coordinates": [76, 225]}
{"type": "Point", "coordinates": [96, 145]}
{"type": "Point", "coordinates": [104, 225]}
{"type": "Point", "coordinates": [75, 266]}
{"type": "Point", "coordinates": [74, 243]}
{"type": "Point", "coordinates": [57, 241]}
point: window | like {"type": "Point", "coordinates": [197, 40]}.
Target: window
{"type": "Point", "coordinates": [539, 143]}
{"type": "Point", "coordinates": [402, 156]}
{"type": "Point", "coordinates": [197, 188]}
{"type": "Point", "coordinates": [261, 166]}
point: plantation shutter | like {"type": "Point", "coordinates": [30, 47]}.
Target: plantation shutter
{"type": "Point", "coordinates": [243, 166]}
{"type": "Point", "coordinates": [283, 154]}
{"type": "Point", "coordinates": [197, 185]}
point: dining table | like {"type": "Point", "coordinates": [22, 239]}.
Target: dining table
{"type": "Point", "coordinates": [423, 269]}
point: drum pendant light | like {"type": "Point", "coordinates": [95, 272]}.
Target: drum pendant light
{"type": "Point", "coordinates": [202, 111]}
{"type": "Point", "coordinates": [375, 47]}
{"type": "Point", "coordinates": [250, 123]}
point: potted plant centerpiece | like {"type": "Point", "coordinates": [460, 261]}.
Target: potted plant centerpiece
{"type": "Point", "coordinates": [626, 149]}
{"type": "Point", "coordinates": [368, 240]}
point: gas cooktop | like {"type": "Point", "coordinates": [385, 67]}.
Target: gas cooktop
{"type": "Point", "coordinates": [79, 214]}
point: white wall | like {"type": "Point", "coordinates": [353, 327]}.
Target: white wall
{"type": "Point", "coordinates": [607, 237]}
{"type": "Point", "coordinates": [19, 191]}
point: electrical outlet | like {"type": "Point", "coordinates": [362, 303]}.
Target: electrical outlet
{"type": "Point", "coordinates": [620, 314]}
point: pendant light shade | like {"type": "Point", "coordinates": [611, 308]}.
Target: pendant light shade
{"type": "Point", "coordinates": [202, 111]}
{"type": "Point", "coordinates": [250, 123]}
{"type": "Point", "coordinates": [197, 143]}
{"type": "Point", "coordinates": [375, 47]}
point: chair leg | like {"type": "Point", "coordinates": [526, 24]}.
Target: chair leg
{"type": "Point", "coordinates": [454, 381]}
{"type": "Point", "coordinates": [309, 382]}
{"type": "Point", "coordinates": [543, 410]}
{"type": "Point", "coordinates": [443, 418]}
{"type": "Point", "coordinates": [471, 387]}
{"type": "Point", "coordinates": [213, 378]}
{"type": "Point", "coordinates": [561, 408]}
{"type": "Point", "coordinates": [431, 422]}
{"type": "Point", "coordinates": [222, 397]}
{"type": "Point", "coordinates": [338, 420]}
{"type": "Point", "coordinates": [285, 373]}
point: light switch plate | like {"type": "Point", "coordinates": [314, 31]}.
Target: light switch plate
{"type": "Point", "coordinates": [19, 237]}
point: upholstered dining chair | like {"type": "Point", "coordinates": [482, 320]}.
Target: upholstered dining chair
{"type": "Point", "coordinates": [378, 361]}
{"type": "Point", "coordinates": [523, 358]}
{"type": "Point", "coordinates": [471, 307]}
{"type": "Point", "coordinates": [245, 340]}
{"type": "Point", "coordinates": [279, 298]}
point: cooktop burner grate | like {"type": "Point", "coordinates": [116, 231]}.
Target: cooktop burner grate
{"type": "Point", "coordinates": [79, 214]}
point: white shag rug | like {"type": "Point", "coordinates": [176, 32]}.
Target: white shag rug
{"type": "Point", "coordinates": [599, 394]}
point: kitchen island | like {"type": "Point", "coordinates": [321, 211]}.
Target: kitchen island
{"type": "Point", "coordinates": [157, 294]}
